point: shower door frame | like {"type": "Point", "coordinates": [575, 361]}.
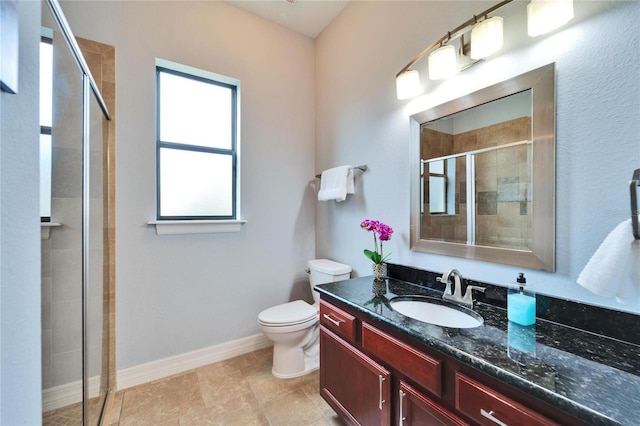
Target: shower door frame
{"type": "Point", "coordinates": [89, 87]}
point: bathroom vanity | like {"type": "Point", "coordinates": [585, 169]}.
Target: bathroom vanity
{"type": "Point", "coordinates": [378, 367]}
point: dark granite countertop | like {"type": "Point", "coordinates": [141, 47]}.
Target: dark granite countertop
{"type": "Point", "coordinates": [588, 375]}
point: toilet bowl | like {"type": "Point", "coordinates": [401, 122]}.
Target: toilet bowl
{"type": "Point", "coordinates": [294, 327]}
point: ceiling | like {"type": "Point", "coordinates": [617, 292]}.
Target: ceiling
{"type": "Point", "coordinates": [308, 17]}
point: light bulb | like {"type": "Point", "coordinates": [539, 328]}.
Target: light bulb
{"type": "Point", "coordinates": [486, 37]}
{"type": "Point", "coordinates": [443, 62]}
{"type": "Point", "coordinates": [544, 16]}
{"type": "Point", "coordinates": [408, 84]}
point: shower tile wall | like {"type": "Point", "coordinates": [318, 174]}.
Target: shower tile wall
{"type": "Point", "coordinates": [100, 58]}
{"type": "Point", "coordinates": [503, 199]}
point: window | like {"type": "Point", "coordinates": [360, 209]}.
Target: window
{"type": "Point", "coordinates": [437, 187]}
{"type": "Point", "coordinates": [197, 147]}
{"type": "Point", "coordinates": [46, 119]}
{"type": "Point", "coordinates": [441, 185]}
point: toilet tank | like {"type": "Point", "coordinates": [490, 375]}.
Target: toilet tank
{"type": "Point", "coordinates": [325, 271]}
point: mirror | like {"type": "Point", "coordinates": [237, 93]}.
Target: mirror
{"type": "Point", "coordinates": [483, 174]}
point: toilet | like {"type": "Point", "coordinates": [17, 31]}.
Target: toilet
{"type": "Point", "coordinates": [294, 327]}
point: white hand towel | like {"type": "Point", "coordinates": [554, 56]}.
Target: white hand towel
{"type": "Point", "coordinates": [336, 183]}
{"type": "Point", "coordinates": [614, 269]}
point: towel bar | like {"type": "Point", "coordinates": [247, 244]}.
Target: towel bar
{"type": "Point", "coordinates": [361, 168]}
{"type": "Point", "coordinates": [633, 187]}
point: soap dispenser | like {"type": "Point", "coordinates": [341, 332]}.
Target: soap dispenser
{"type": "Point", "coordinates": [521, 303]}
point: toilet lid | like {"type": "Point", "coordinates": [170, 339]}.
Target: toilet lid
{"type": "Point", "coordinates": [288, 313]}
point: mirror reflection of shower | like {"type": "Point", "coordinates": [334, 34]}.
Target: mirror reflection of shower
{"type": "Point", "coordinates": [476, 175]}
{"type": "Point", "coordinates": [74, 144]}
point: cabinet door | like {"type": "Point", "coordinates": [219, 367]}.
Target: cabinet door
{"type": "Point", "coordinates": [355, 386]}
{"type": "Point", "coordinates": [417, 409]}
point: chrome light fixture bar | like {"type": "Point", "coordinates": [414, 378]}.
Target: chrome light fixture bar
{"type": "Point", "coordinates": [486, 38]}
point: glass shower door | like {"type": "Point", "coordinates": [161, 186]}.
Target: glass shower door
{"type": "Point", "coordinates": [96, 263]}
{"type": "Point", "coordinates": [75, 257]}
{"type": "Point", "coordinates": [61, 252]}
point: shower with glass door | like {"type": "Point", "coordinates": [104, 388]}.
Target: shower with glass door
{"type": "Point", "coordinates": [75, 146]}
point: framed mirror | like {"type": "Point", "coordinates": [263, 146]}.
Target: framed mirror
{"type": "Point", "coordinates": [483, 174]}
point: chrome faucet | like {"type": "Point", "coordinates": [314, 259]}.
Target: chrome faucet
{"type": "Point", "coordinates": [456, 294]}
{"type": "Point", "coordinates": [457, 290]}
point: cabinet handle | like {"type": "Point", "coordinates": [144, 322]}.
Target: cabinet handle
{"type": "Point", "coordinates": [490, 415]}
{"type": "Point", "coordinates": [328, 317]}
{"type": "Point", "coordinates": [402, 417]}
{"type": "Point", "coordinates": [380, 401]}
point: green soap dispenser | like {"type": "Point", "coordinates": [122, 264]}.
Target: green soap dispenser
{"type": "Point", "coordinates": [521, 303]}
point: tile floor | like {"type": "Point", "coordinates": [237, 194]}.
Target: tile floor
{"type": "Point", "coordinates": [238, 391]}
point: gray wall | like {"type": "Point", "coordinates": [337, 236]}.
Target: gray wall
{"type": "Point", "coordinates": [20, 382]}
{"type": "Point", "coordinates": [180, 293]}
{"type": "Point", "coordinates": [360, 121]}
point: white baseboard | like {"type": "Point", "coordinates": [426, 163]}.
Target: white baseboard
{"type": "Point", "coordinates": [145, 373]}
{"type": "Point", "coordinates": [71, 393]}
{"type": "Point", "coordinates": [67, 394]}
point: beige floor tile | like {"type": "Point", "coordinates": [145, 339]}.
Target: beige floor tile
{"type": "Point", "coordinates": [312, 390]}
{"type": "Point", "coordinates": [263, 354]}
{"type": "Point", "coordinates": [239, 391]}
{"type": "Point", "coordinates": [332, 420]}
{"type": "Point", "coordinates": [162, 401]}
{"type": "Point", "coordinates": [241, 410]}
{"type": "Point", "coordinates": [263, 360]}
{"type": "Point", "coordinates": [220, 383]}
{"type": "Point", "coordinates": [240, 362]}
{"type": "Point", "coordinates": [292, 409]}
{"type": "Point", "coordinates": [265, 387]}
{"type": "Point", "coordinates": [67, 416]}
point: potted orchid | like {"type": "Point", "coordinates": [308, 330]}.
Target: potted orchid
{"type": "Point", "coordinates": [381, 232]}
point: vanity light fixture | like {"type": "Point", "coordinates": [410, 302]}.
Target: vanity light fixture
{"type": "Point", "coordinates": [486, 39]}
{"type": "Point", "coordinates": [443, 62]}
{"type": "Point", "coordinates": [407, 84]}
{"type": "Point", "coordinates": [544, 16]}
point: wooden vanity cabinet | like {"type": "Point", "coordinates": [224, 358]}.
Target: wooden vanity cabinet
{"type": "Point", "coordinates": [373, 375]}
{"type": "Point", "coordinates": [358, 388]}
{"type": "Point", "coordinates": [361, 389]}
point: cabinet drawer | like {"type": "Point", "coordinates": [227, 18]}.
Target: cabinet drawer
{"type": "Point", "coordinates": [416, 409]}
{"type": "Point", "coordinates": [338, 321]}
{"type": "Point", "coordinates": [488, 407]}
{"type": "Point", "coordinates": [422, 369]}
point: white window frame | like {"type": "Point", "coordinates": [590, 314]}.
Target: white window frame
{"type": "Point", "coordinates": [212, 225]}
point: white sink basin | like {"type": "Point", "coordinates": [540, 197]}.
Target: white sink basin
{"type": "Point", "coordinates": [435, 311]}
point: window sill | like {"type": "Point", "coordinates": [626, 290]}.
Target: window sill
{"type": "Point", "coordinates": [45, 229]}
{"type": "Point", "coordinates": [178, 227]}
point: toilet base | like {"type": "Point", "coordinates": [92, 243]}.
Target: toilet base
{"type": "Point", "coordinates": [289, 363]}
{"type": "Point", "coordinates": [307, 370]}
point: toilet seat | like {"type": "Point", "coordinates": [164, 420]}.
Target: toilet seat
{"type": "Point", "coordinates": [286, 314]}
